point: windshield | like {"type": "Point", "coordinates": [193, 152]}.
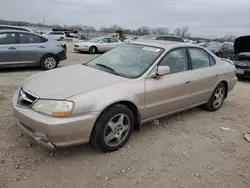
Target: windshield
{"type": "Point", "coordinates": [127, 60]}
{"type": "Point", "coordinates": [214, 46]}
{"type": "Point", "coordinates": [96, 39]}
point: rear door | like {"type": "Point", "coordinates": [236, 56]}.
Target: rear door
{"type": "Point", "coordinates": [225, 50]}
{"type": "Point", "coordinates": [204, 75]}
{"type": "Point", "coordinates": [230, 50]}
{"type": "Point", "coordinates": [8, 48]}
{"type": "Point", "coordinates": [31, 48]}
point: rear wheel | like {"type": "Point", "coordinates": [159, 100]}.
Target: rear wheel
{"type": "Point", "coordinates": [49, 62]}
{"type": "Point", "coordinates": [92, 50]}
{"type": "Point", "coordinates": [217, 98]}
{"type": "Point", "coordinates": [113, 128]}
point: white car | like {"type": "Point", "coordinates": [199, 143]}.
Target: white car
{"type": "Point", "coordinates": [97, 44]}
{"type": "Point", "coordinates": [55, 35]}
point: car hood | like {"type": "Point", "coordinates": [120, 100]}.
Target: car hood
{"type": "Point", "coordinates": [63, 83]}
{"type": "Point", "coordinates": [242, 44]}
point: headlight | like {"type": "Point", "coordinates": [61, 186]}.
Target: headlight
{"type": "Point", "coordinates": [55, 108]}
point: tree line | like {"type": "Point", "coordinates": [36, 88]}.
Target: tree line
{"type": "Point", "coordinates": [143, 30]}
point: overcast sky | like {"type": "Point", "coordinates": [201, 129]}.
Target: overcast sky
{"type": "Point", "coordinates": [203, 17]}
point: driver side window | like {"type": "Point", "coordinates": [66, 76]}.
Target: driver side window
{"type": "Point", "coordinates": [177, 60]}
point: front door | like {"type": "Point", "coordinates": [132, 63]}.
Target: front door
{"type": "Point", "coordinates": [169, 93]}
{"type": "Point", "coordinates": [8, 48]}
{"type": "Point", "coordinates": [31, 48]}
{"type": "Point", "coordinates": [103, 46]}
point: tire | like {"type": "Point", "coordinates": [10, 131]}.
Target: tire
{"type": "Point", "coordinates": [49, 62]}
{"type": "Point", "coordinates": [93, 50]}
{"type": "Point", "coordinates": [104, 137]}
{"type": "Point", "coordinates": [211, 105]}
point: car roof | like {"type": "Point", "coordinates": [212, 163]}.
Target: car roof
{"type": "Point", "coordinates": [16, 27]}
{"type": "Point", "coordinates": [13, 30]}
{"type": "Point", "coordinates": [163, 36]}
{"type": "Point", "coordinates": [164, 44]}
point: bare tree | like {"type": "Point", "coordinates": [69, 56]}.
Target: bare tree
{"type": "Point", "coordinates": [177, 32]}
{"type": "Point", "coordinates": [144, 30]}
{"type": "Point", "coordinates": [182, 32]}
{"type": "Point", "coordinates": [160, 31]}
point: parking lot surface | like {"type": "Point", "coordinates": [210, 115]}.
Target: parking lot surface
{"type": "Point", "coordinates": [193, 149]}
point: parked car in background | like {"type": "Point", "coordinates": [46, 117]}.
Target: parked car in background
{"type": "Point", "coordinates": [224, 50]}
{"type": "Point", "coordinates": [129, 39]}
{"type": "Point", "coordinates": [10, 27]}
{"type": "Point", "coordinates": [73, 35]}
{"type": "Point", "coordinates": [241, 57]}
{"type": "Point", "coordinates": [97, 44]}
{"type": "Point", "coordinates": [160, 37]}
{"type": "Point", "coordinates": [103, 101]}
{"type": "Point", "coordinates": [20, 48]}
{"type": "Point", "coordinates": [55, 35]}
{"type": "Point", "coordinates": [203, 44]}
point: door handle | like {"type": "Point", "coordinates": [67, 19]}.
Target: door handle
{"type": "Point", "coordinates": [217, 75]}
{"type": "Point", "coordinates": [12, 48]}
{"type": "Point", "coordinates": [187, 82]}
{"type": "Point", "coordinates": [42, 47]}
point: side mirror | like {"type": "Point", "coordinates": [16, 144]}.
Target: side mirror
{"type": "Point", "coordinates": [163, 70]}
{"type": "Point", "coordinates": [159, 71]}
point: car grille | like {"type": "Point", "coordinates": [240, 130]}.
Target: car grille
{"type": "Point", "coordinates": [25, 99]}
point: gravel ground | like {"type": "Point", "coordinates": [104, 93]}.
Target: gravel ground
{"type": "Point", "coordinates": [187, 150]}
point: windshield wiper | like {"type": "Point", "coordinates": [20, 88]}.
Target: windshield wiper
{"type": "Point", "coordinates": [108, 68]}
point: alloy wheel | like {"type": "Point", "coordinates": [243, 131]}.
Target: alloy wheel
{"type": "Point", "coordinates": [117, 130]}
{"type": "Point", "coordinates": [218, 97]}
{"type": "Point", "coordinates": [50, 63]}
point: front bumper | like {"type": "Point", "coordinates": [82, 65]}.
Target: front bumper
{"type": "Point", "coordinates": [242, 70]}
{"type": "Point", "coordinates": [62, 55]}
{"type": "Point", "coordinates": [52, 132]}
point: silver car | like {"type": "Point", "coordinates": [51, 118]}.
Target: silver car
{"type": "Point", "coordinates": [97, 44]}
{"type": "Point", "coordinates": [21, 48]}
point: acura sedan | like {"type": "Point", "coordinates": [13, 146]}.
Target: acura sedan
{"type": "Point", "coordinates": [103, 101]}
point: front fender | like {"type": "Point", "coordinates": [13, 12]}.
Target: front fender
{"type": "Point", "coordinates": [99, 99]}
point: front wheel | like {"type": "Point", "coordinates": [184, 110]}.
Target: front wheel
{"type": "Point", "coordinates": [49, 62]}
{"type": "Point", "coordinates": [113, 128]}
{"type": "Point", "coordinates": [92, 50]}
{"type": "Point", "coordinates": [217, 98]}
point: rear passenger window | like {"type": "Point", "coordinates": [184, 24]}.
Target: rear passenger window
{"type": "Point", "coordinates": [26, 38]}
{"type": "Point", "coordinates": [113, 40]}
{"type": "Point", "coordinates": [199, 58]}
